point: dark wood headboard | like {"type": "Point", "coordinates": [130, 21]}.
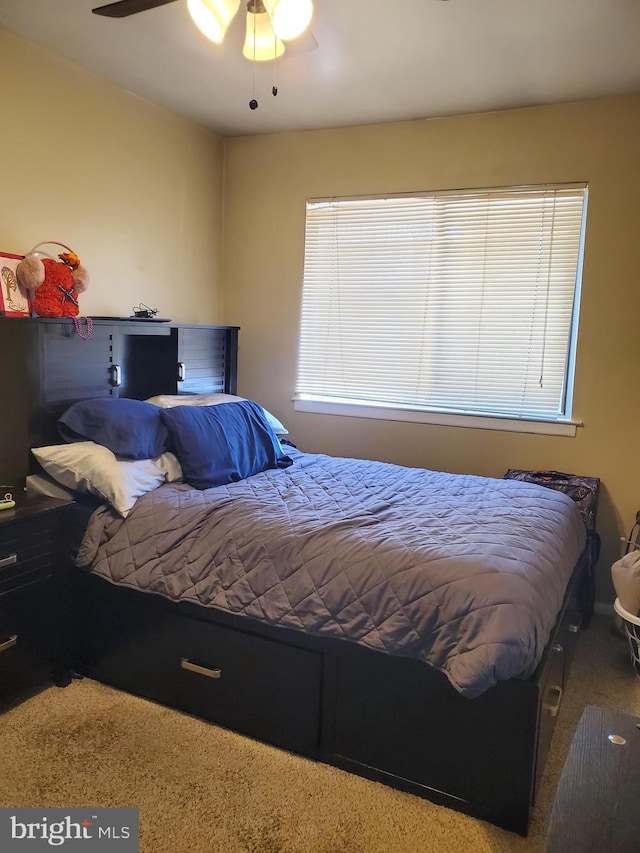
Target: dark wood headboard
{"type": "Point", "coordinates": [47, 366]}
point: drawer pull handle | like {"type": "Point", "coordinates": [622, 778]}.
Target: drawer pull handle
{"type": "Point", "coordinates": [201, 670]}
{"type": "Point", "coordinates": [116, 376]}
{"type": "Point", "coordinates": [11, 560]}
{"type": "Point", "coordinates": [576, 623]}
{"type": "Point", "coordinates": [557, 647]}
{"type": "Point", "coordinates": [182, 371]}
{"type": "Point", "coordinates": [9, 644]}
{"type": "Point", "coordinates": [553, 709]}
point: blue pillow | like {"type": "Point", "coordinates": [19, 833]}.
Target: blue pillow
{"type": "Point", "coordinates": [224, 443]}
{"type": "Point", "coordinates": [132, 429]}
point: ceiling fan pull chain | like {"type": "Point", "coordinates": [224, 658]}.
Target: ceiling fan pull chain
{"type": "Point", "coordinates": [253, 104]}
{"type": "Point", "coordinates": [274, 88]}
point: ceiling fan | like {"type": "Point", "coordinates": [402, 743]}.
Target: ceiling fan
{"type": "Point", "coordinates": [124, 8]}
{"type": "Point", "coordinates": [282, 20]}
{"type": "Point", "coordinates": [270, 23]}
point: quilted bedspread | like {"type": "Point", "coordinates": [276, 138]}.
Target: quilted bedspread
{"type": "Point", "coordinates": [465, 573]}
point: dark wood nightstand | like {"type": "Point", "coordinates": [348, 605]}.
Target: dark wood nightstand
{"type": "Point", "coordinates": [32, 612]}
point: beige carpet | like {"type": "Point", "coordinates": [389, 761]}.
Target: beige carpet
{"type": "Point", "coordinates": [200, 788]}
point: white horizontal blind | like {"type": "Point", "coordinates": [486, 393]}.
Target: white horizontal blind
{"type": "Point", "coordinates": [457, 302]}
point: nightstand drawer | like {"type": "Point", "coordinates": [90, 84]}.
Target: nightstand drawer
{"type": "Point", "coordinates": [21, 663]}
{"type": "Point", "coordinates": [26, 633]}
{"type": "Point", "coordinates": [26, 553]}
{"type": "Point", "coordinates": [33, 632]}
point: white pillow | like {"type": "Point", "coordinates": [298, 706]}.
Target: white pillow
{"type": "Point", "coordinates": [167, 401]}
{"type": "Point", "coordinates": [87, 467]}
{"type": "Point", "coordinates": [168, 463]}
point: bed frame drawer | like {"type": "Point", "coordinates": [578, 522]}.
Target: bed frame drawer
{"type": "Point", "coordinates": [551, 695]}
{"type": "Point", "coordinates": [267, 689]}
{"type": "Point", "coordinates": [397, 735]}
{"type": "Point", "coordinates": [553, 674]}
{"type": "Point", "coordinates": [251, 684]}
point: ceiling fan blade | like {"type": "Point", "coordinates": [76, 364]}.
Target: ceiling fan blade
{"type": "Point", "coordinates": [124, 8]}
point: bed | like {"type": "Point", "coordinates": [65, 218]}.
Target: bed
{"type": "Point", "coordinates": [413, 627]}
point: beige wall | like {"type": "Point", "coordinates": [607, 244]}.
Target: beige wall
{"type": "Point", "coordinates": [136, 191]}
{"type": "Point", "coordinates": [269, 178]}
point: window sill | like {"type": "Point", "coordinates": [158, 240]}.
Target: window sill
{"type": "Point", "coordinates": [421, 416]}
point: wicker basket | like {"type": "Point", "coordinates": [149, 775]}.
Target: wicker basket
{"type": "Point", "coordinates": [631, 625]}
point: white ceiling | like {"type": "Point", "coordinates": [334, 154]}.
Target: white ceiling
{"type": "Point", "coordinates": [376, 60]}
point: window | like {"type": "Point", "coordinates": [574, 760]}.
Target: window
{"type": "Point", "coordinates": [456, 303]}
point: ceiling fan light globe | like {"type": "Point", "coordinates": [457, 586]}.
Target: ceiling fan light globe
{"type": "Point", "coordinates": [212, 17]}
{"type": "Point", "coordinates": [267, 46]}
{"type": "Point", "coordinates": [290, 18]}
